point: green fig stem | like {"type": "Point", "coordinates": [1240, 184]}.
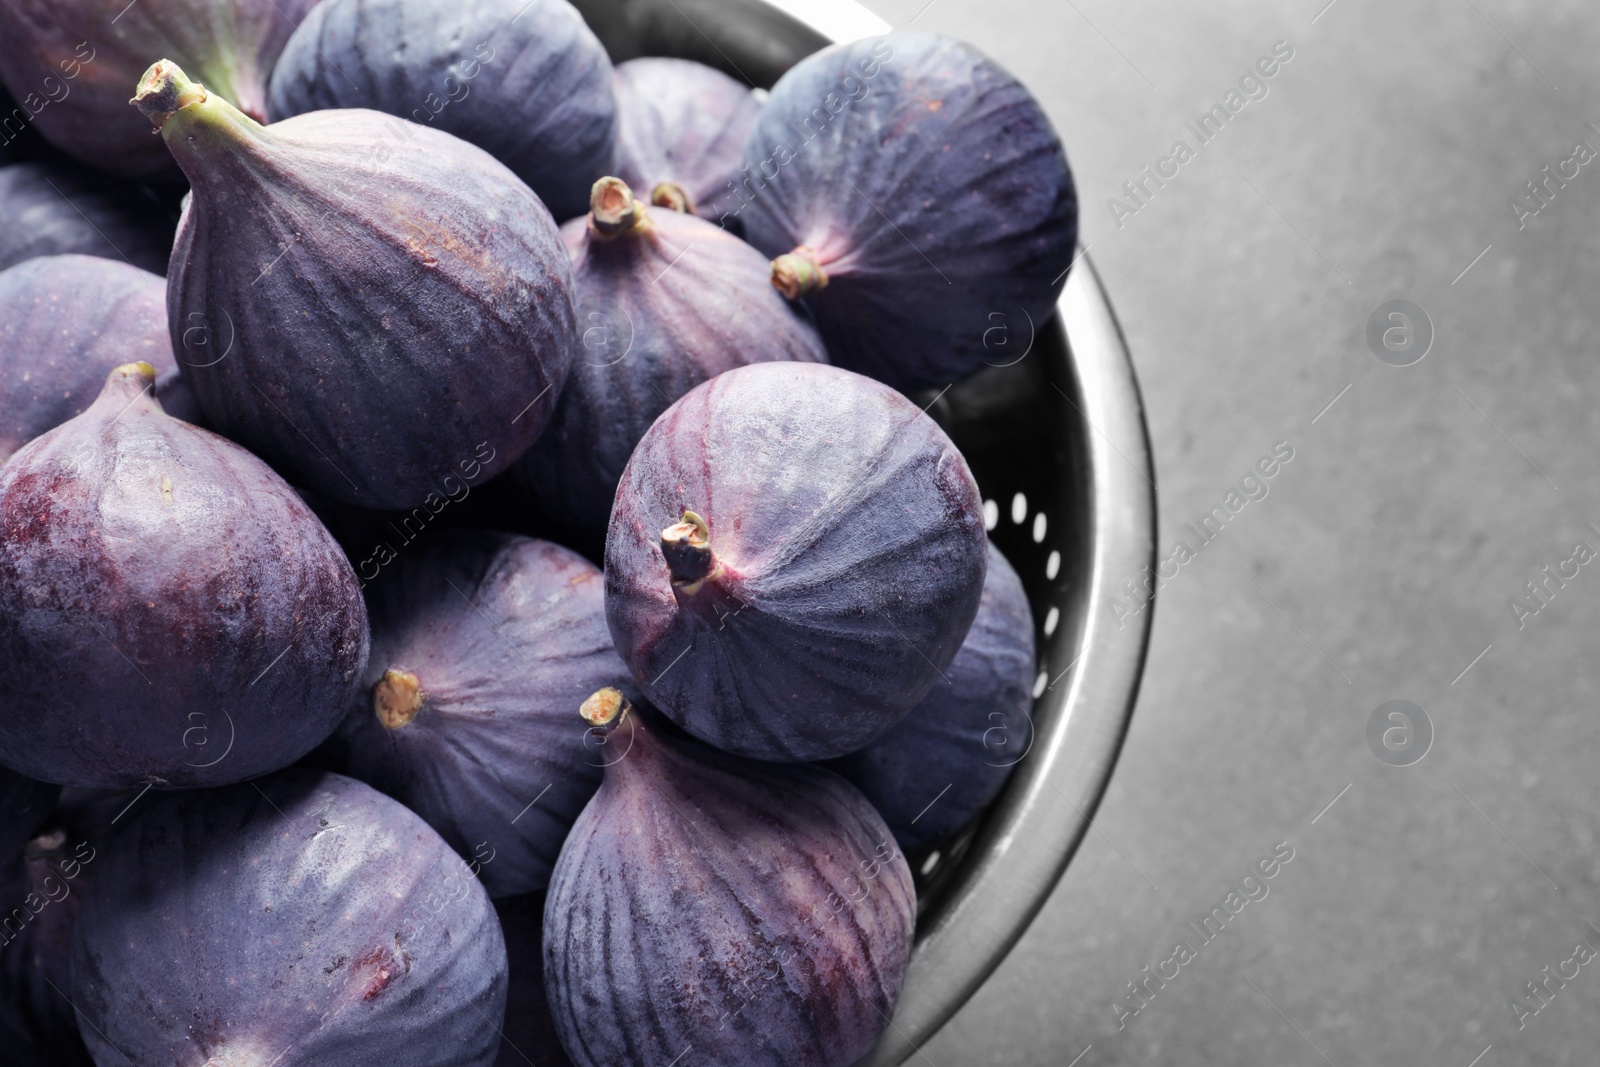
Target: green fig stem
{"type": "Point", "coordinates": [613, 211]}
{"type": "Point", "coordinates": [686, 546]}
{"type": "Point", "coordinates": [164, 91]}
{"type": "Point", "coordinates": [794, 274]}
{"type": "Point", "coordinates": [605, 709]}
{"type": "Point", "coordinates": [131, 379]}
{"type": "Point", "coordinates": [673, 197]}
{"type": "Point", "coordinates": [397, 698]}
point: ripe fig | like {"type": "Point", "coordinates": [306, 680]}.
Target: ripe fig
{"type": "Point", "coordinates": [828, 563]}
{"type": "Point", "coordinates": [65, 323]}
{"type": "Point", "coordinates": [26, 804]}
{"type": "Point", "coordinates": [47, 209]}
{"type": "Point", "coordinates": [684, 124]}
{"type": "Point", "coordinates": [37, 1023]}
{"type": "Point", "coordinates": [482, 644]}
{"type": "Point", "coordinates": [525, 80]}
{"type": "Point", "coordinates": [170, 612]}
{"type": "Point", "coordinates": [529, 1034]}
{"type": "Point", "coordinates": [935, 769]}
{"type": "Point", "coordinates": [71, 61]}
{"type": "Point", "coordinates": [667, 301]}
{"type": "Point", "coordinates": [389, 320]}
{"type": "Point", "coordinates": [304, 919]}
{"type": "Point", "coordinates": [916, 195]}
{"type": "Point", "coordinates": [758, 914]}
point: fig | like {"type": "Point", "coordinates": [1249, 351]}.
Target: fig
{"type": "Point", "coordinates": [170, 612]}
{"type": "Point", "coordinates": [525, 80]}
{"type": "Point", "coordinates": [682, 125]}
{"type": "Point", "coordinates": [916, 195]}
{"type": "Point", "coordinates": [667, 301]}
{"type": "Point", "coordinates": [37, 1022]}
{"type": "Point", "coordinates": [828, 561]}
{"type": "Point", "coordinates": [304, 919]}
{"type": "Point", "coordinates": [482, 644]}
{"type": "Point", "coordinates": [65, 323]}
{"type": "Point", "coordinates": [26, 804]}
{"type": "Point", "coordinates": [529, 1034]}
{"type": "Point", "coordinates": [47, 209]}
{"type": "Point", "coordinates": [71, 62]}
{"type": "Point", "coordinates": [759, 914]}
{"type": "Point", "coordinates": [942, 764]}
{"type": "Point", "coordinates": [379, 324]}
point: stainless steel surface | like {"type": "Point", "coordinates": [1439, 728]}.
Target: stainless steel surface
{"type": "Point", "coordinates": [1057, 441]}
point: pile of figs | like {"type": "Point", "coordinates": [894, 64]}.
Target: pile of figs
{"type": "Point", "coordinates": [479, 583]}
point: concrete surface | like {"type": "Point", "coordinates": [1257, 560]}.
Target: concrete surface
{"type": "Point", "coordinates": [1379, 165]}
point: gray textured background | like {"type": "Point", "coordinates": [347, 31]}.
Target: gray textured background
{"type": "Point", "coordinates": [1381, 162]}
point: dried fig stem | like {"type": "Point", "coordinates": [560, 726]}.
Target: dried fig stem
{"type": "Point", "coordinates": [397, 698]}
{"type": "Point", "coordinates": [164, 91]}
{"type": "Point", "coordinates": [794, 274]}
{"type": "Point", "coordinates": [605, 708]}
{"type": "Point", "coordinates": [686, 546]}
{"type": "Point", "coordinates": [131, 379]}
{"type": "Point", "coordinates": [673, 197]}
{"type": "Point", "coordinates": [613, 211]}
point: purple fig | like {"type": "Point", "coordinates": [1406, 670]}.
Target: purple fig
{"type": "Point", "coordinates": [389, 322]}
{"type": "Point", "coordinates": [37, 1021]}
{"type": "Point", "coordinates": [482, 644]}
{"type": "Point", "coordinates": [25, 803]}
{"type": "Point", "coordinates": [47, 209]}
{"type": "Point", "coordinates": [304, 919]}
{"type": "Point", "coordinates": [529, 1034]}
{"type": "Point", "coordinates": [667, 301]}
{"type": "Point", "coordinates": [681, 131]}
{"type": "Point", "coordinates": [65, 323]}
{"type": "Point", "coordinates": [525, 80]}
{"type": "Point", "coordinates": [827, 565]}
{"type": "Point", "coordinates": [170, 612]}
{"type": "Point", "coordinates": [942, 764]}
{"type": "Point", "coordinates": [758, 914]}
{"type": "Point", "coordinates": [916, 195]}
{"type": "Point", "coordinates": [70, 62]}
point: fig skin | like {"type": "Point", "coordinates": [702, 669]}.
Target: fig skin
{"type": "Point", "coordinates": [37, 1024]}
{"type": "Point", "coordinates": [26, 804]}
{"type": "Point", "coordinates": [90, 55]}
{"type": "Point", "coordinates": [170, 611]}
{"type": "Point", "coordinates": [683, 122]}
{"type": "Point", "coordinates": [65, 323]}
{"type": "Point", "coordinates": [932, 207]}
{"type": "Point", "coordinates": [304, 919]}
{"type": "Point", "coordinates": [968, 733]}
{"type": "Point", "coordinates": [845, 560]}
{"type": "Point", "coordinates": [529, 1034]}
{"type": "Point", "coordinates": [394, 319]}
{"type": "Point", "coordinates": [49, 209]}
{"type": "Point", "coordinates": [527, 82]}
{"type": "Point", "coordinates": [759, 913]}
{"type": "Point", "coordinates": [482, 646]}
{"type": "Point", "coordinates": [667, 302]}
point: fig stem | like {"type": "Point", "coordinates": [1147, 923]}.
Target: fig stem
{"type": "Point", "coordinates": [794, 274]}
{"type": "Point", "coordinates": [673, 197]}
{"type": "Point", "coordinates": [131, 379]}
{"type": "Point", "coordinates": [686, 546]}
{"type": "Point", "coordinates": [397, 698]}
{"type": "Point", "coordinates": [164, 91]}
{"type": "Point", "coordinates": [605, 708]}
{"type": "Point", "coordinates": [613, 211]}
